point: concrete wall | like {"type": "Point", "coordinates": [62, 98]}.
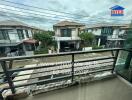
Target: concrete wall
{"type": "Point", "coordinates": [97, 32]}
{"type": "Point", "coordinates": [115, 33]}
{"type": "Point", "coordinates": [30, 33]}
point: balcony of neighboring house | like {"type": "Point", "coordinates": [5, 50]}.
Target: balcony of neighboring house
{"type": "Point", "coordinates": [115, 41]}
{"type": "Point", "coordinates": [104, 74]}
{"type": "Point", "coordinates": [67, 34]}
{"type": "Point", "coordinates": [66, 38]}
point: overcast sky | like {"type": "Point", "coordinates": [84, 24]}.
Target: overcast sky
{"type": "Point", "coordinates": [84, 11]}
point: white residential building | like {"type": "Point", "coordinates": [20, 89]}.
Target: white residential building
{"type": "Point", "coordinates": [16, 38]}
{"type": "Point", "coordinates": [107, 35]}
{"type": "Point", "coordinates": [66, 35]}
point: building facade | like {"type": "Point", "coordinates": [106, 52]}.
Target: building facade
{"type": "Point", "coordinates": [67, 36]}
{"type": "Point", "coordinates": [108, 35]}
{"type": "Point", "coordinates": [16, 38]}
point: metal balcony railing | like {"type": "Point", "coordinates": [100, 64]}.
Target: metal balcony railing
{"type": "Point", "coordinates": [65, 70]}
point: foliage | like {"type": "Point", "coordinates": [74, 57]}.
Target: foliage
{"type": "Point", "coordinates": [44, 37]}
{"type": "Point", "coordinates": [87, 37]}
{"type": "Point", "coordinates": [41, 51]}
{"type": "Point", "coordinates": [46, 40]}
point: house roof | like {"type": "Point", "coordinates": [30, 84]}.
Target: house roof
{"type": "Point", "coordinates": [117, 7]}
{"type": "Point", "coordinates": [12, 23]}
{"type": "Point", "coordinates": [107, 25]}
{"type": "Point", "coordinates": [68, 23]}
{"type": "Point", "coordinates": [16, 23]}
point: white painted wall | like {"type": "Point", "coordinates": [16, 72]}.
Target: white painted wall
{"type": "Point", "coordinates": [74, 32]}
{"type": "Point", "coordinates": [30, 33]}
{"type": "Point", "coordinates": [57, 32]}
{"type": "Point", "coordinates": [97, 32]}
{"type": "Point", "coordinates": [115, 33]}
{"type": "Point", "coordinates": [25, 37]}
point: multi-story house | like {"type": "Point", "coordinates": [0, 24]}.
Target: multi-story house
{"type": "Point", "coordinates": [66, 35]}
{"type": "Point", "coordinates": [108, 35]}
{"type": "Point", "coordinates": [16, 38]}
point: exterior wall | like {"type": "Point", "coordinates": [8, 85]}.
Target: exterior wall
{"type": "Point", "coordinates": [115, 33]}
{"type": "Point", "coordinates": [74, 34]}
{"type": "Point", "coordinates": [97, 32]}
{"type": "Point", "coordinates": [74, 37]}
{"type": "Point", "coordinates": [30, 33]}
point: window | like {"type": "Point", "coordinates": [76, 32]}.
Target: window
{"type": "Point", "coordinates": [20, 33]}
{"type": "Point", "coordinates": [66, 32]}
{"type": "Point", "coordinates": [27, 35]}
{"type": "Point", "coordinates": [4, 35]}
{"type": "Point", "coordinates": [107, 31]}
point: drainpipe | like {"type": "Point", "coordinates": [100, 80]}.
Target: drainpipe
{"type": "Point", "coordinates": [99, 40]}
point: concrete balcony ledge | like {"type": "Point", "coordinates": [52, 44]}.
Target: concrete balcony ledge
{"type": "Point", "coordinates": [25, 91]}
{"type": "Point", "coordinates": [107, 89]}
{"type": "Point", "coordinates": [66, 38]}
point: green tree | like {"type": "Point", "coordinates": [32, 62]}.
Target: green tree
{"type": "Point", "coordinates": [44, 37]}
{"type": "Point", "coordinates": [87, 38]}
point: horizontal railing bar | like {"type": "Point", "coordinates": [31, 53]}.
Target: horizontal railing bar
{"type": "Point", "coordinates": [92, 68]}
{"type": "Point", "coordinates": [56, 74]}
{"type": "Point", "coordinates": [58, 54]}
{"type": "Point", "coordinates": [42, 72]}
{"type": "Point", "coordinates": [127, 49]}
{"type": "Point", "coordinates": [94, 59]}
{"type": "Point", "coordinates": [59, 69]}
{"type": "Point", "coordinates": [32, 68]}
{"type": "Point", "coordinates": [44, 81]}
{"type": "Point", "coordinates": [64, 77]}
{"type": "Point", "coordinates": [94, 71]}
{"type": "Point", "coordinates": [39, 67]}
{"type": "Point", "coordinates": [1, 72]}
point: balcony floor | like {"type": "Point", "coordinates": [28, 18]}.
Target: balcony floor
{"type": "Point", "coordinates": [108, 89]}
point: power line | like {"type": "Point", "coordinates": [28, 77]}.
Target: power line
{"type": "Point", "coordinates": [35, 11]}
{"type": "Point", "coordinates": [43, 14]}
{"type": "Point", "coordinates": [41, 8]}
{"type": "Point", "coordinates": [51, 20]}
{"type": "Point", "coordinates": [53, 10]}
{"type": "Point", "coordinates": [36, 14]}
{"type": "Point", "coordinates": [27, 17]}
{"type": "Point", "coordinates": [39, 15]}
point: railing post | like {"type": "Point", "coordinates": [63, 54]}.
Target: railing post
{"type": "Point", "coordinates": [10, 64]}
{"type": "Point", "coordinates": [115, 60]}
{"type": "Point", "coordinates": [72, 72]}
{"type": "Point", "coordinates": [5, 69]}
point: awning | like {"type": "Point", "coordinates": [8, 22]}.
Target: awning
{"type": "Point", "coordinates": [30, 41]}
